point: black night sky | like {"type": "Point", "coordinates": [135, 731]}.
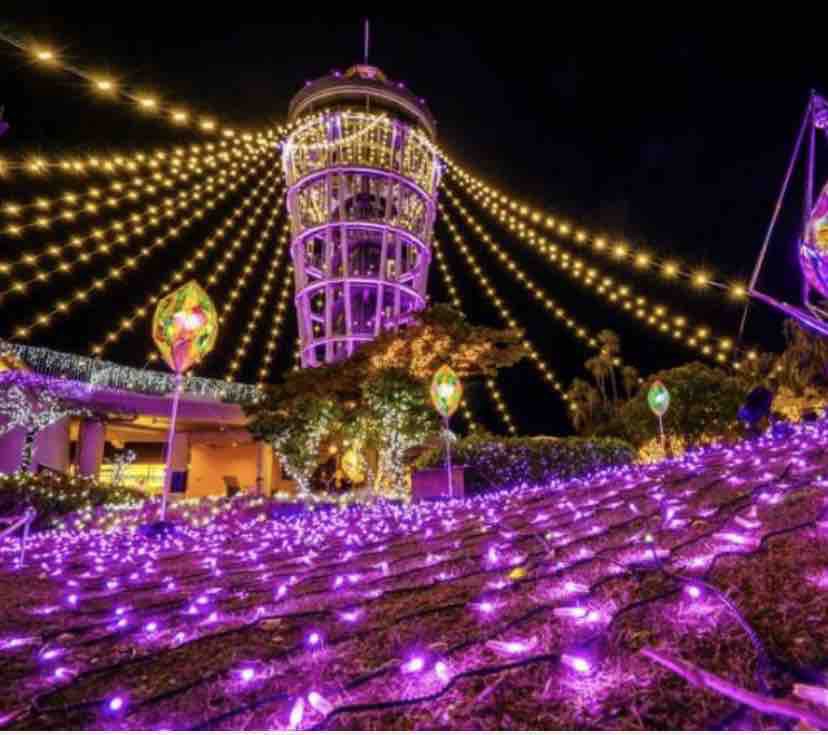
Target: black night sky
{"type": "Point", "coordinates": [675, 140]}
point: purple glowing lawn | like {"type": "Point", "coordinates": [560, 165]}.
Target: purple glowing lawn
{"type": "Point", "coordinates": [525, 609]}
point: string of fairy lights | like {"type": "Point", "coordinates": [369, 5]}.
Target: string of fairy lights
{"type": "Point", "coordinates": [236, 174]}
{"type": "Point", "coordinates": [581, 332]}
{"type": "Point", "coordinates": [454, 297]}
{"type": "Point", "coordinates": [201, 253]}
{"type": "Point", "coordinates": [116, 194]}
{"type": "Point", "coordinates": [278, 317]}
{"type": "Point", "coordinates": [100, 241]}
{"type": "Point", "coordinates": [229, 305]}
{"type": "Point", "coordinates": [511, 210]}
{"type": "Point", "coordinates": [656, 317]}
{"type": "Point", "coordinates": [204, 174]}
{"type": "Point", "coordinates": [507, 317]}
{"type": "Point", "coordinates": [280, 249]}
{"type": "Point", "coordinates": [107, 85]}
{"type": "Point", "coordinates": [113, 164]}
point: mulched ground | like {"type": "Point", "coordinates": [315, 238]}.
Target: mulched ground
{"type": "Point", "coordinates": [526, 609]}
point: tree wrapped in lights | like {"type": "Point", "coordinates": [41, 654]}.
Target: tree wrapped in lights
{"type": "Point", "coordinates": [34, 402]}
{"type": "Point", "coordinates": [378, 398]}
{"type": "Point", "coordinates": [397, 418]}
{"type": "Point", "coordinates": [297, 435]}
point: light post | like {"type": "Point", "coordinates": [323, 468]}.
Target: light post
{"type": "Point", "coordinates": [446, 392]}
{"type": "Point", "coordinates": [658, 398]}
{"type": "Point", "coordinates": [184, 328]}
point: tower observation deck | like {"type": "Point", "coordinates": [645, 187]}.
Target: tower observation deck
{"type": "Point", "coordinates": [362, 175]}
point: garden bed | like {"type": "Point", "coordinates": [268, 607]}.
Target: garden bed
{"type": "Point", "coordinates": [498, 463]}
{"type": "Point", "coordinates": [523, 609]}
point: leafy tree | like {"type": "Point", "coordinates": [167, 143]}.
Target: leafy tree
{"type": "Point", "coordinates": [441, 335]}
{"type": "Point", "coordinates": [804, 362]}
{"type": "Point", "coordinates": [703, 401]}
{"type": "Point", "coordinates": [379, 396]}
{"type": "Point", "coordinates": [297, 433]}
{"type": "Point", "coordinates": [34, 402]}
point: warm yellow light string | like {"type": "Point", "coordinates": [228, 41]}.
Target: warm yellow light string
{"type": "Point", "coordinates": [454, 296]}
{"type": "Point", "coordinates": [497, 399]}
{"type": "Point", "coordinates": [656, 317]}
{"type": "Point", "coordinates": [96, 202]}
{"type": "Point", "coordinates": [216, 238]}
{"type": "Point", "coordinates": [113, 164]}
{"type": "Point", "coordinates": [96, 243]}
{"type": "Point", "coordinates": [319, 119]}
{"type": "Point", "coordinates": [153, 217]}
{"type": "Point", "coordinates": [228, 307]}
{"type": "Point", "coordinates": [535, 291]}
{"type": "Point", "coordinates": [278, 256]}
{"type": "Point", "coordinates": [108, 86]}
{"type": "Point", "coordinates": [279, 312]}
{"type": "Point", "coordinates": [119, 192]}
{"type": "Point", "coordinates": [297, 354]}
{"type": "Point", "coordinates": [132, 262]}
{"type": "Point", "coordinates": [509, 210]}
{"type": "Point", "coordinates": [507, 317]}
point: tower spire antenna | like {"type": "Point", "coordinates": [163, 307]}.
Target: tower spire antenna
{"type": "Point", "coordinates": [367, 35]}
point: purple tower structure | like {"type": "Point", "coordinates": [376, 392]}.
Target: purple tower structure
{"type": "Point", "coordinates": [362, 172]}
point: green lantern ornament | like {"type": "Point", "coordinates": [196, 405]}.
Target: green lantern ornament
{"type": "Point", "coordinates": [658, 398]}
{"type": "Point", "coordinates": [446, 391]}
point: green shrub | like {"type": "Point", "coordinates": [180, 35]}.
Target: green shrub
{"type": "Point", "coordinates": [495, 463]}
{"type": "Point", "coordinates": [54, 495]}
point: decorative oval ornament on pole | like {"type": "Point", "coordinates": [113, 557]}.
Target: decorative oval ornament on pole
{"type": "Point", "coordinates": [658, 398]}
{"type": "Point", "coordinates": [446, 391]}
{"type": "Point", "coordinates": [184, 328]}
{"type": "Point", "coordinates": [446, 394]}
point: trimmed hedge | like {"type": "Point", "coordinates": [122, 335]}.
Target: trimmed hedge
{"type": "Point", "coordinates": [495, 463]}
{"type": "Point", "coordinates": [54, 495]}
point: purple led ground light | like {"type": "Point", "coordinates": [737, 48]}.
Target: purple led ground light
{"type": "Point", "coordinates": [341, 613]}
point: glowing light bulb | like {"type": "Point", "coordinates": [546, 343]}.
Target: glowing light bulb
{"type": "Point", "coordinates": [414, 665]}
{"type": "Point", "coordinates": [576, 663]}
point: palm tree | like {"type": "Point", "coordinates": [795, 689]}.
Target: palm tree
{"type": "Point", "coordinates": [610, 350]}
{"type": "Point", "coordinates": [585, 400]}
{"type": "Point", "coordinates": [629, 379]}
{"type": "Point", "coordinates": [597, 366]}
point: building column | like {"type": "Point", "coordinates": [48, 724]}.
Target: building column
{"type": "Point", "coordinates": [11, 450]}
{"type": "Point", "coordinates": [91, 439]}
{"type": "Point", "coordinates": [51, 447]}
{"type": "Point", "coordinates": [264, 468]}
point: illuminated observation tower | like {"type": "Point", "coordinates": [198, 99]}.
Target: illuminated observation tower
{"type": "Point", "coordinates": [362, 175]}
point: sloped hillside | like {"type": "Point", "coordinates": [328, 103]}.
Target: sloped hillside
{"type": "Point", "coordinates": [525, 609]}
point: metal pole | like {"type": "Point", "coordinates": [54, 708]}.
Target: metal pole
{"type": "Point", "coordinates": [25, 539]}
{"type": "Point", "coordinates": [809, 188]}
{"type": "Point", "coordinates": [448, 457]}
{"type": "Point", "coordinates": [661, 434]}
{"type": "Point", "coordinates": [763, 252]}
{"type": "Point", "coordinates": [170, 438]}
{"type": "Point", "coordinates": [367, 38]}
